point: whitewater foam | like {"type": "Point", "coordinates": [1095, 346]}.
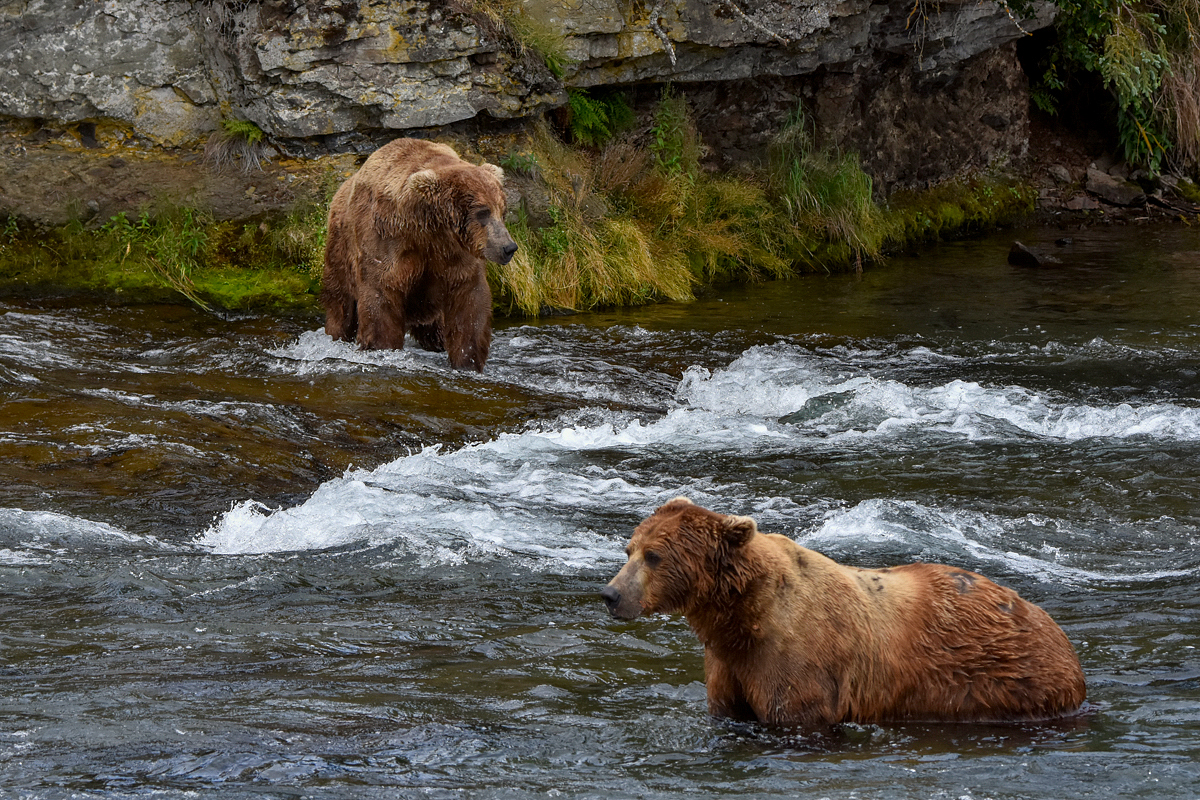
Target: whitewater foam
{"type": "Point", "coordinates": [536, 494]}
{"type": "Point", "coordinates": [778, 380]}
{"type": "Point", "coordinates": [911, 531]}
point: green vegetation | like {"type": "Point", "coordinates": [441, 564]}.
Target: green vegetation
{"type": "Point", "coordinates": [175, 253]}
{"type": "Point", "coordinates": [590, 254]}
{"type": "Point", "coordinates": [595, 120]}
{"type": "Point", "coordinates": [242, 129]}
{"type": "Point", "coordinates": [827, 192]}
{"type": "Point", "coordinates": [238, 142]}
{"type": "Point", "coordinates": [626, 216]}
{"type": "Point", "coordinates": [523, 35]}
{"type": "Point", "coordinates": [1148, 56]}
{"type": "Point", "coordinates": [638, 219]}
{"type": "Point", "coordinates": [958, 208]}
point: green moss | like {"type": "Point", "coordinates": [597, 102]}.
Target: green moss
{"type": "Point", "coordinates": [957, 209]}
{"type": "Point", "coordinates": [1188, 191]}
{"type": "Point", "coordinates": [243, 289]}
{"type": "Point", "coordinates": [179, 255]}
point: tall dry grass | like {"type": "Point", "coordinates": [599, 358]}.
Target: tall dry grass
{"type": "Point", "coordinates": [1181, 87]}
{"type": "Point", "coordinates": [639, 219]}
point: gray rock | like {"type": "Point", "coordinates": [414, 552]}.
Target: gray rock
{"type": "Point", "coordinates": [1082, 202]}
{"type": "Point", "coordinates": [171, 69]}
{"type": "Point", "coordinates": [1114, 191]}
{"type": "Point", "coordinates": [1059, 173]}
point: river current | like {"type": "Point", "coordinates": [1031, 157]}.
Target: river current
{"type": "Point", "coordinates": [240, 560]}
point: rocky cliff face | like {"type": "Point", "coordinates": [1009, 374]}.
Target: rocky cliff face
{"type": "Point", "coordinates": [321, 76]}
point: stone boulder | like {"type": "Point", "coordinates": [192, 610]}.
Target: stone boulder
{"type": "Point", "coordinates": [1113, 190]}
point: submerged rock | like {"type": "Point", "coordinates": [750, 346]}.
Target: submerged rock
{"type": "Point", "coordinates": [819, 406]}
{"type": "Point", "coordinates": [1021, 256]}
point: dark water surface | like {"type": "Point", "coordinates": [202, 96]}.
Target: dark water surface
{"type": "Point", "coordinates": [239, 560]}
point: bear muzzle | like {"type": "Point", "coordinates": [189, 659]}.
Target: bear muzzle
{"type": "Point", "coordinates": [500, 247]}
{"type": "Point", "coordinates": [619, 605]}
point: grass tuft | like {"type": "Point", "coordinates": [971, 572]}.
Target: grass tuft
{"type": "Point", "coordinates": [238, 143]}
{"type": "Point", "coordinates": [826, 191]}
{"type": "Point", "coordinates": [523, 35]}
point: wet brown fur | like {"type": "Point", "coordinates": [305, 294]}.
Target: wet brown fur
{"type": "Point", "coordinates": [408, 239]}
{"type": "Point", "coordinates": [793, 638]}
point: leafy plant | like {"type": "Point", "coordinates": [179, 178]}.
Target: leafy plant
{"type": "Point", "coordinates": [242, 129]}
{"type": "Point", "coordinates": [521, 163]}
{"type": "Point", "coordinates": [1145, 54]}
{"type": "Point", "coordinates": [676, 146]}
{"type": "Point", "coordinates": [9, 233]}
{"type": "Point", "coordinates": [595, 120]}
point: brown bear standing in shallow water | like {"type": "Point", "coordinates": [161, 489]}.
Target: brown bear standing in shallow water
{"type": "Point", "coordinates": [409, 234]}
{"type": "Point", "coordinates": [792, 638]}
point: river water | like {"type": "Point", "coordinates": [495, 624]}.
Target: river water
{"type": "Point", "coordinates": [240, 560]}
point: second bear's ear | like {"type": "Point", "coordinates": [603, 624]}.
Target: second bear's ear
{"type": "Point", "coordinates": [739, 530]}
{"type": "Point", "coordinates": [497, 171]}
{"type": "Point", "coordinates": [672, 505]}
{"type": "Point", "coordinates": [424, 182]}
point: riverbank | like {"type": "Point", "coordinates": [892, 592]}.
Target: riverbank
{"type": "Point", "coordinates": [642, 216]}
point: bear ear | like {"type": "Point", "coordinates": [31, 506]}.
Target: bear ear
{"type": "Point", "coordinates": [497, 171]}
{"type": "Point", "coordinates": [424, 182]}
{"type": "Point", "coordinates": [739, 530]}
{"type": "Point", "coordinates": [678, 502]}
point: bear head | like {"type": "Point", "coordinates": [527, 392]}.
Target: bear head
{"type": "Point", "coordinates": [467, 200]}
{"type": "Point", "coordinates": [679, 557]}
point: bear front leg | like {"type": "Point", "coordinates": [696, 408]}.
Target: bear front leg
{"type": "Point", "coordinates": [380, 321]}
{"type": "Point", "coordinates": [725, 697]}
{"type": "Point", "coordinates": [429, 337]}
{"type": "Point", "coordinates": [467, 320]}
{"type": "Point", "coordinates": [337, 285]}
{"type": "Point", "coordinates": [341, 318]}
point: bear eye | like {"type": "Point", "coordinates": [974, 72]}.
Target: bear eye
{"type": "Point", "coordinates": [652, 559]}
{"type": "Point", "coordinates": [482, 214]}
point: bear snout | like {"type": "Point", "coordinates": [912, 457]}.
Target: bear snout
{"type": "Point", "coordinates": [613, 598]}
{"type": "Point", "coordinates": [501, 251]}
{"type": "Point", "coordinates": [610, 596]}
{"type": "Point", "coordinates": [499, 247]}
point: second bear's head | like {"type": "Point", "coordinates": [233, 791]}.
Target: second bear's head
{"type": "Point", "coordinates": [467, 199]}
{"type": "Point", "coordinates": [681, 557]}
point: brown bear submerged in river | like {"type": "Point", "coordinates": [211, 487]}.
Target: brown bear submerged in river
{"type": "Point", "coordinates": [792, 638]}
{"type": "Point", "coordinates": [409, 237]}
